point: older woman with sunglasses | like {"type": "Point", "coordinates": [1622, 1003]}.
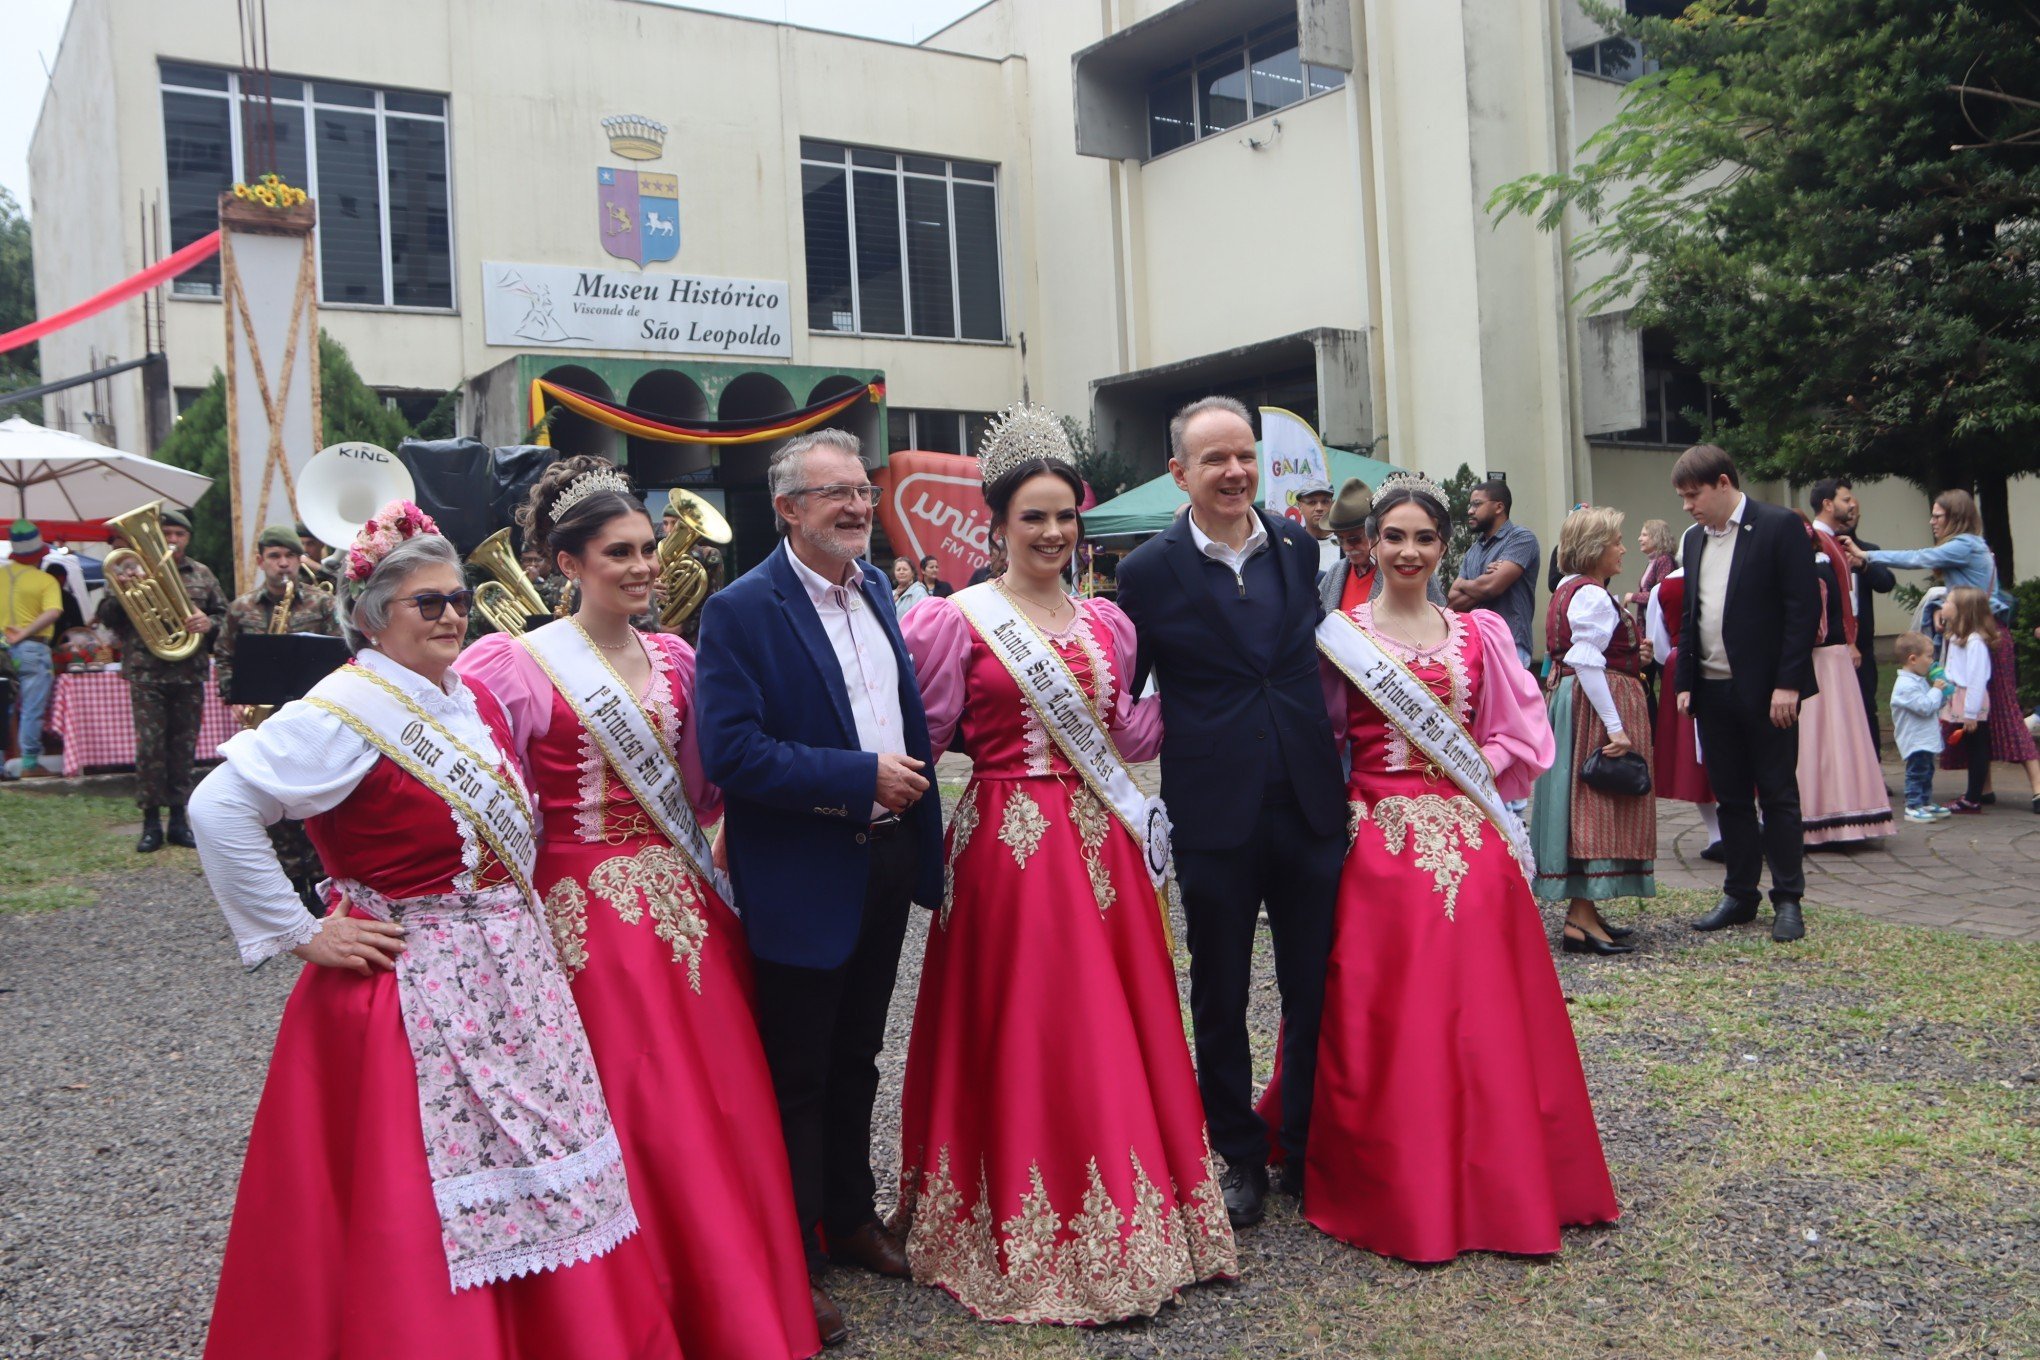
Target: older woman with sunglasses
{"type": "Point", "coordinates": [432, 1170]}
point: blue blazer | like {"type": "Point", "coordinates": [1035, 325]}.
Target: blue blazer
{"type": "Point", "coordinates": [777, 734]}
{"type": "Point", "coordinates": [1223, 704]}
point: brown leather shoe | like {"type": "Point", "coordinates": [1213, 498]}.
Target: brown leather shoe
{"type": "Point", "coordinates": [828, 1317]}
{"type": "Point", "coordinates": [873, 1248]}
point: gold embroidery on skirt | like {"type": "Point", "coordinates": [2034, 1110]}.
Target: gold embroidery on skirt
{"type": "Point", "coordinates": [1113, 1264]}
{"type": "Point", "coordinates": [1093, 821]}
{"type": "Point", "coordinates": [961, 824]}
{"type": "Point", "coordinates": [1441, 829]}
{"type": "Point", "coordinates": [1356, 813]}
{"type": "Point", "coordinates": [566, 913]}
{"type": "Point", "coordinates": [1023, 826]}
{"type": "Point", "coordinates": [663, 879]}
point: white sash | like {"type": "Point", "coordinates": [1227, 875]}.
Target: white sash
{"type": "Point", "coordinates": [420, 745]}
{"type": "Point", "coordinates": [1050, 688]}
{"type": "Point", "coordinates": [630, 744]}
{"type": "Point", "coordinates": [1430, 727]}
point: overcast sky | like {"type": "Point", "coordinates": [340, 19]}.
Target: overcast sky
{"type": "Point", "coordinates": [35, 27]}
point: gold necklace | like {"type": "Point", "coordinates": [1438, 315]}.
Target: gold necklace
{"type": "Point", "coordinates": [1052, 609]}
{"type": "Point", "coordinates": [630, 636]}
{"type": "Point", "coordinates": [1403, 637]}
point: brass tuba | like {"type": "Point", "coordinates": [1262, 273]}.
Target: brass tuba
{"type": "Point", "coordinates": [683, 581]}
{"type": "Point", "coordinates": [510, 598]}
{"type": "Point", "coordinates": [155, 600]}
{"type": "Point", "coordinates": [279, 623]}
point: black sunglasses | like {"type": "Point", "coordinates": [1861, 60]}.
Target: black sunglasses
{"type": "Point", "coordinates": [432, 603]}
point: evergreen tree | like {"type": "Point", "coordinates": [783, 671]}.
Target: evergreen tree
{"type": "Point", "coordinates": [1833, 206]}
{"type": "Point", "coordinates": [18, 368]}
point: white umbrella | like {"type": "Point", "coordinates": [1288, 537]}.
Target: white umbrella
{"type": "Point", "coordinates": [48, 474]}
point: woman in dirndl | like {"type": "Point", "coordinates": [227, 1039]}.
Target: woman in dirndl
{"type": "Point", "coordinates": [1054, 1161]}
{"type": "Point", "coordinates": [602, 722]}
{"type": "Point", "coordinates": [1593, 845]}
{"type": "Point", "coordinates": [1842, 798]}
{"type": "Point", "coordinates": [1677, 773]}
{"type": "Point", "coordinates": [432, 1170]}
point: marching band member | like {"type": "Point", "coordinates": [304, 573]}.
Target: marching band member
{"type": "Point", "coordinates": [602, 719]}
{"type": "Point", "coordinates": [432, 1170]}
{"type": "Point", "coordinates": [283, 603]}
{"type": "Point", "coordinates": [1049, 1089]}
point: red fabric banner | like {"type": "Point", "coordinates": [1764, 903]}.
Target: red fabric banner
{"type": "Point", "coordinates": [932, 505]}
{"type": "Point", "coordinates": [162, 271]}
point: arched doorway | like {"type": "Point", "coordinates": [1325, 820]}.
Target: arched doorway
{"type": "Point", "coordinates": [572, 433]}
{"type": "Point", "coordinates": [669, 393]}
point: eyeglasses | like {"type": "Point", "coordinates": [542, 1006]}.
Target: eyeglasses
{"type": "Point", "coordinates": [841, 493]}
{"type": "Point", "coordinates": [432, 604]}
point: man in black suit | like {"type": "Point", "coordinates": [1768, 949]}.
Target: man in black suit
{"type": "Point", "coordinates": [1745, 664]}
{"type": "Point", "coordinates": [1225, 606]}
{"type": "Point", "coordinates": [1872, 580]}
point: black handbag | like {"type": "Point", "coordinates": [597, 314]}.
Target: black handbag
{"type": "Point", "coordinates": [1627, 775]}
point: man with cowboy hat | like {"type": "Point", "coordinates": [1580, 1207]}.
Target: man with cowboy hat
{"type": "Point", "coordinates": [33, 604]}
{"type": "Point", "coordinates": [167, 697]}
{"type": "Point", "coordinates": [279, 552]}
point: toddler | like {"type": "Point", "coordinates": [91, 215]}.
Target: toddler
{"type": "Point", "coordinates": [1916, 702]}
{"type": "Point", "coordinates": [1971, 632]}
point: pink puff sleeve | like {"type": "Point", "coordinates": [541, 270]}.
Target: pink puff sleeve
{"type": "Point", "coordinates": [938, 639]}
{"type": "Point", "coordinates": [1136, 723]}
{"type": "Point", "coordinates": [507, 671]}
{"type": "Point", "coordinates": [1509, 720]}
{"type": "Point", "coordinates": [706, 797]}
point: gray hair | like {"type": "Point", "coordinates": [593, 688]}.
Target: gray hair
{"type": "Point", "coordinates": [1181, 420]}
{"type": "Point", "coordinates": [365, 609]}
{"type": "Point", "coordinates": [782, 475]}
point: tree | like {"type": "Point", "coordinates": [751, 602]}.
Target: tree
{"type": "Point", "coordinates": [1458, 489]}
{"type": "Point", "coordinates": [1105, 471]}
{"type": "Point", "coordinates": [1834, 208]}
{"type": "Point", "coordinates": [349, 410]}
{"type": "Point", "coordinates": [21, 367]}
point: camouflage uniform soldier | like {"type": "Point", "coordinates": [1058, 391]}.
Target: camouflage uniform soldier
{"type": "Point", "coordinates": [167, 697]}
{"type": "Point", "coordinates": [311, 611]}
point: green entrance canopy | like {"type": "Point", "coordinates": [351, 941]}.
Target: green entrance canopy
{"type": "Point", "coordinates": [1148, 508]}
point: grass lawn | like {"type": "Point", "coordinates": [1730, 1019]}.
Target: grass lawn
{"type": "Point", "coordinates": [51, 843]}
{"type": "Point", "coordinates": [1832, 1147]}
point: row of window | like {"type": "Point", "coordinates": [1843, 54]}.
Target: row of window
{"type": "Point", "coordinates": [374, 160]}
{"type": "Point", "coordinates": [1231, 82]}
{"type": "Point", "coordinates": [1620, 59]}
{"type": "Point", "coordinates": [935, 431]}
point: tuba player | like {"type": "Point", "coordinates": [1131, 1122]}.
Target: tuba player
{"type": "Point", "coordinates": [283, 603]}
{"type": "Point", "coordinates": [167, 697]}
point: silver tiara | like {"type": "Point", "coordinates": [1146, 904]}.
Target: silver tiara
{"type": "Point", "coordinates": [1019, 434]}
{"type": "Point", "coordinates": [1414, 482]}
{"type": "Point", "coordinates": [586, 485]}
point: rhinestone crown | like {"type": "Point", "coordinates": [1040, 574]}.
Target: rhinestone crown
{"type": "Point", "coordinates": [586, 485]}
{"type": "Point", "coordinates": [1020, 434]}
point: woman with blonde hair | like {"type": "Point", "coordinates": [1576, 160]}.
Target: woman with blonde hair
{"type": "Point", "coordinates": [1593, 845]}
{"type": "Point", "coordinates": [1962, 558]}
{"type": "Point", "coordinates": [1658, 543]}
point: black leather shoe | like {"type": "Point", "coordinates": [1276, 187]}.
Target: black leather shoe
{"type": "Point", "coordinates": [152, 835]}
{"type": "Point", "coordinates": [1618, 932]}
{"type": "Point", "coordinates": [1584, 943]}
{"type": "Point", "coordinates": [180, 830]}
{"type": "Point", "coordinates": [1786, 923]}
{"type": "Point", "coordinates": [828, 1317]}
{"type": "Point", "coordinates": [1714, 854]}
{"type": "Point", "coordinates": [1246, 1194]}
{"type": "Point", "coordinates": [1286, 1178]}
{"type": "Point", "coordinates": [873, 1248]}
{"type": "Point", "coordinates": [1728, 912]}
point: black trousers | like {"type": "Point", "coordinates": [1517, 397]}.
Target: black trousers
{"type": "Point", "coordinates": [1976, 754]}
{"type": "Point", "coordinates": [1296, 873]}
{"type": "Point", "coordinates": [1866, 680]}
{"type": "Point", "coordinates": [1749, 761]}
{"type": "Point", "coordinates": [823, 1029]}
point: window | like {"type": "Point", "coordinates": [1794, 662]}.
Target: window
{"type": "Point", "coordinates": [1227, 84]}
{"type": "Point", "coordinates": [1620, 59]}
{"type": "Point", "coordinates": [1673, 394]}
{"type": "Point", "coordinates": [935, 431]}
{"type": "Point", "coordinates": [901, 244]}
{"type": "Point", "coordinates": [375, 161]}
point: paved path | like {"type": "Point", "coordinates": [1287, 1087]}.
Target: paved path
{"type": "Point", "coordinates": [1979, 875]}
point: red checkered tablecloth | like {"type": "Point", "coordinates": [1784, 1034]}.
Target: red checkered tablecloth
{"type": "Point", "coordinates": [90, 710]}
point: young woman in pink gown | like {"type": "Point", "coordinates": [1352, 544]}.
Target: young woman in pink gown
{"type": "Point", "coordinates": [1054, 1162]}
{"type": "Point", "coordinates": [1451, 1112]}
{"type": "Point", "coordinates": [657, 958]}
{"type": "Point", "coordinates": [432, 1171]}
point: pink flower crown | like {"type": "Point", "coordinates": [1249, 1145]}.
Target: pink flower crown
{"type": "Point", "coordinates": [392, 524]}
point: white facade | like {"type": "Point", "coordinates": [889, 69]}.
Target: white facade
{"type": "Point", "coordinates": [1339, 246]}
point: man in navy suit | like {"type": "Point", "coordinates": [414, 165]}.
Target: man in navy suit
{"type": "Point", "coordinates": [1225, 605]}
{"type": "Point", "coordinates": [812, 724]}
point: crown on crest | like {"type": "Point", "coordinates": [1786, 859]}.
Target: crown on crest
{"type": "Point", "coordinates": [586, 485]}
{"type": "Point", "coordinates": [1413, 482]}
{"type": "Point", "coordinates": [636, 137]}
{"type": "Point", "coordinates": [1020, 434]}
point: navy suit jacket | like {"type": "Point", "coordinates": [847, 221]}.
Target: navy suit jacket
{"type": "Point", "coordinates": [1222, 703]}
{"type": "Point", "coordinates": [777, 734]}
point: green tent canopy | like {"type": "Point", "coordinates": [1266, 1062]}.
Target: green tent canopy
{"type": "Point", "coordinates": [1148, 508]}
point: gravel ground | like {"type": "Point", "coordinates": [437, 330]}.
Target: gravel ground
{"type": "Point", "coordinates": [133, 1049]}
